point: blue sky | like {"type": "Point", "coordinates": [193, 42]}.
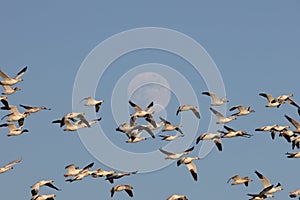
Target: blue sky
{"type": "Point", "coordinates": [254, 44]}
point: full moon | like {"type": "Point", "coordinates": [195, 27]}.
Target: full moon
{"type": "Point", "coordinates": [150, 86]}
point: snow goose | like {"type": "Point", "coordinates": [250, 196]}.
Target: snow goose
{"type": "Point", "coordinates": [190, 165]}
{"type": "Point", "coordinates": [36, 187]}
{"type": "Point", "coordinates": [266, 183]}
{"type": "Point", "coordinates": [128, 129]}
{"type": "Point", "coordinates": [294, 122]}
{"type": "Point", "coordinates": [193, 108]}
{"type": "Point", "coordinates": [262, 195]}
{"type": "Point", "coordinates": [135, 136]}
{"type": "Point", "coordinates": [140, 113]}
{"type": "Point", "coordinates": [72, 116]}
{"type": "Point", "coordinates": [11, 81]}
{"type": "Point", "coordinates": [271, 101]}
{"type": "Point", "coordinates": [13, 130]}
{"type": "Point", "coordinates": [175, 156]}
{"type": "Point", "coordinates": [78, 124]}
{"type": "Point", "coordinates": [81, 174]}
{"type": "Point", "coordinates": [9, 166]}
{"type": "Point", "coordinates": [216, 100]}
{"type": "Point", "coordinates": [211, 136]}
{"type": "Point", "coordinates": [32, 109]}
{"type": "Point", "coordinates": [268, 128]}
{"type": "Point", "coordinates": [287, 134]}
{"type": "Point", "coordinates": [293, 154]}
{"type": "Point", "coordinates": [233, 133]}
{"type": "Point", "coordinates": [15, 115]}
{"type": "Point", "coordinates": [9, 90]}
{"type": "Point", "coordinates": [169, 127]}
{"type": "Point", "coordinates": [101, 173]}
{"type": "Point", "coordinates": [287, 98]}
{"type": "Point", "coordinates": [294, 193]}
{"type": "Point", "coordinates": [177, 197]}
{"type": "Point", "coordinates": [117, 188]}
{"type": "Point", "coordinates": [170, 137]}
{"type": "Point", "coordinates": [222, 119]}
{"type": "Point", "coordinates": [295, 141]}
{"type": "Point", "coordinates": [242, 110]}
{"type": "Point", "coordinates": [73, 171]}
{"type": "Point", "coordinates": [118, 175]}
{"type": "Point", "coordinates": [44, 197]}
{"type": "Point", "coordinates": [238, 180]}
{"type": "Point", "coordinates": [93, 102]}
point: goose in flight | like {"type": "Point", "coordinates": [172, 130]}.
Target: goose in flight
{"type": "Point", "coordinates": [193, 108]}
{"type": "Point", "coordinates": [268, 128]}
{"type": "Point", "coordinates": [262, 195]}
{"type": "Point", "coordinates": [222, 119]}
{"type": "Point", "coordinates": [293, 154]}
{"type": "Point", "coordinates": [170, 137]}
{"type": "Point", "coordinates": [175, 156]}
{"type": "Point", "coordinates": [135, 136]}
{"type": "Point", "coordinates": [74, 116]}
{"type": "Point", "coordinates": [32, 109]}
{"type": "Point", "coordinates": [272, 102]}
{"type": "Point", "coordinates": [133, 130]}
{"type": "Point", "coordinates": [36, 187]}
{"type": "Point", "coordinates": [266, 183]}
{"type": "Point", "coordinates": [294, 193]}
{"type": "Point", "coordinates": [81, 174]}
{"type": "Point", "coordinates": [101, 173]}
{"type": "Point", "coordinates": [9, 166]}
{"type": "Point", "coordinates": [9, 90]}
{"type": "Point", "coordinates": [44, 197]}
{"type": "Point", "coordinates": [118, 175]}
{"type": "Point", "coordinates": [11, 81]}
{"type": "Point", "coordinates": [287, 98]}
{"type": "Point", "coordinates": [15, 115]}
{"type": "Point", "coordinates": [169, 127]}
{"type": "Point", "coordinates": [190, 165]}
{"type": "Point", "coordinates": [294, 123]}
{"type": "Point", "coordinates": [117, 188]}
{"type": "Point", "coordinates": [216, 100]}
{"type": "Point", "coordinates": [211, 136]}
{"type": "Point", "coordinates": [93, 102]}
{"type": "Point", "coordinates": [287, 134]}
{"type": "Point", "coordinates": [233, 133]}
{"type": "Point", "coordinates": [140, 113]}
{"type": "Point", "coordinates": [242, 110]}
{"type": "Point", "coordinates": [177, 197]}
{"type": "Point", "coordinates": [239, 180]}
{"type": "Point", "coordinates": [13, 130]}
{"type": "Point", "coordinates": [73, 171]}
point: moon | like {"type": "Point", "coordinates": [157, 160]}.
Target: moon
{"type": "Point", "coordinates": [150, 86]}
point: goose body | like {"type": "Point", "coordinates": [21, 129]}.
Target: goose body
{"type": "Point", "coordinates": [117, 188]}
{"type": "Point", "coordinates": [170, 127]}
{"type": "Point", "coordinates": [293, 154]}
{"type": "Point", "coordinates": [238, 180]}
{"type": "Point", "coordinates": [36, 187]}
{"type": "Point", "coordinates": [287, 98]}
{"type": "Point", "coordinates": [73, 171]}
{"type": "Point", "coordinates": [11, 81]}
{"type": "Point", "coordinates": [177, 197]}
{"type": "Point", "coordinates": [216, 100]}
{"type": "Point", "coordinates": [190, 165]}
{"type": "Point", "coordinates": [82, 173]}
{"type": "Point", "coordinates": [222, 119]}
{"type": "Point", "coordinates": [211, 136]}
{"type": "Point", "coordinates": [32, 109]}
{"type": "Point", "coordinates": [15, 115]}
{"type": "Point", "coordinates": [175, 156]}
{"type": "Point", "coordinates": [272, 102]}
{"type": "Point", "coordinates": [294, 193]}
{"type": "Point", "coordinates": [9, 90]}
{"type": "Point", "coordinates": [242, 110]}
{"type": "Point", "coordinates": [233, 133]}
{"type": "Point", "coordinates": [193, 108]}
{"type": "Point", "coordinates": [9, 166]}
{"type": "Point", "coordinates": [13, 130]}
{"type": "Point", "coordinates": [93, 102]}
{"type": "Point", "coordinates": [118, 175]}
{"type": "Point", "coordinates": [44, 197]}
{"type": "Point", "coordinates": [170, 137]}
{"type": "Point", "coordinates": [101, 173]}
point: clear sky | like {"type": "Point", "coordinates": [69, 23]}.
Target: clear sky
{"type": "Point", "coordinates": [254, 44]}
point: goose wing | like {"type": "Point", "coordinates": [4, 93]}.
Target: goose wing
{"type": "Point", "coordinates": [212, 95]}
{"type": "Point", "coordinates": [52, 186]}
{"type": "Point", "coordinates": [269, 97]}
{"type": "Point", "coordinates": [196, 111]}
{"type": "Point", "coordinates": [218, 143]}
{"type": "Point", "coordinates": [166, 152]}
{"type": "Point", "coordinates": [14, 162]}
{"type": "Point", "coordinates": [292, 102]}
{"type": "Point", "coordinates": [136, 107]}
{"type": "Point", "coordinates": [4, 75]}
{"type": "Point", "coordinates": [82, 119]}
{"type": "Point", "coordinates": [26, 107]}
{"type": "Point", "coordinates": [21, 73]}
{"type": "Point", "coordinates": [292, 121]}
{"type": "Point", "coordinates": [193, 170]}
{"type": "Point", "coordinates": [266, 183]}
{"type": "Point", "coordinates": [228, 128]}
{"type": "Point", "coordinates": [218, 114]}
{"type": "Point", "coordinates": [235, 177]}
{"type": "Point", "coordinates": [165, 121]}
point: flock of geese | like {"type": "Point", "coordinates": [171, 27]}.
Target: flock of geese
{"type": "Point", "coordinates": [134, 130]}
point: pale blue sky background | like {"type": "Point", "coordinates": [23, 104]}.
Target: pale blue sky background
{"type": "Point", "coordinates": [255, 45]}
